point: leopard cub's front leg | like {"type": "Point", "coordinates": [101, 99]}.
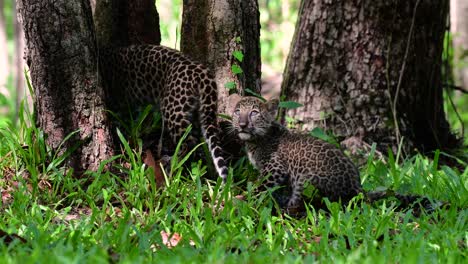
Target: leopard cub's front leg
{"type": "Point", "coordinates": [288, 195]}
{"type": "Point", "coordinates": [295, 199]}
{"type": "Point", "coordinates": [276, 177]}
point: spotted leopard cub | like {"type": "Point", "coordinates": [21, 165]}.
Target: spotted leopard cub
{"type": "Point", "coordinates": [182, 89]}
{"type": "Point", "coordinates": [295, 160]}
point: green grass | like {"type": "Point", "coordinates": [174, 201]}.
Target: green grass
{"type": "Point", "coordinates": [108, 218]}
{"type": "Point", "coordinates": [115, 218]}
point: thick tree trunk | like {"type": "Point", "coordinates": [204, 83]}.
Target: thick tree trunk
{"type": "Point", "coordinates": [68, 97]}
{"type": "Point", "coordinates": [371, 69]}
{"type": "Point", "coordinates": [212, 30]}
{"type": "Point", "coordinates": [143, 22]}
{"type": "Point", "coordinates": [123, 23]}
{"type": "Point", "coordinates": [459, 28]}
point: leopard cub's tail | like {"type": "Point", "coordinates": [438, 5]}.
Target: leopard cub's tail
{"type": "Point", "coordinates": [210, 126]}
{"type": "Point", "coordinates": [416, 202]}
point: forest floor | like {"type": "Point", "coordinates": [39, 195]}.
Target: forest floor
{"type": "Point", "coordinates": [48, 216]}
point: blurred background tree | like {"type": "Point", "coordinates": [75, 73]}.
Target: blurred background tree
{"type": "Point", "coordinates": [4, 67]}
{"type": "Point", "coordinates": [456, 56]}
{"type": "Point", "coordinates": [459, 30]}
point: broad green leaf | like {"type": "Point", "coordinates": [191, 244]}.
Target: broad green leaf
{"type": "Point", "coordinates": [238, 55]}
{"type": "Point", "coordinates": [319, 133]}
{"type": "Point", "coordinates": [249, 91]}
{"type": "Point", "coordinates": [289, 104]}
{"type": "Point", "coordinates": [236, 69]}
{"type": "Point", "coordinates": [230, 85]}
{"type": "Point", "coordinates": [225, 116]}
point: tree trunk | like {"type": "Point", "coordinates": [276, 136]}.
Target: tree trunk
{"type": "Point", "coordinates": [371, 70]}
{"type": "Point", "coordinates": [212, 30]}
{"type": "Point", "coordinates": [68, 97]}
{"type": "Point", "coordinates": [459, 28]}
{"type": "Point", "coordinates": [19, 67]}
{"type": "Point", "coordinates": [4, 69]}
{"type": "Point", "coordinates": [93, 5]}
{"type": "Point", "coordinates": [123, 23]}
{"type": "Point", "coordinates": [143, 22]}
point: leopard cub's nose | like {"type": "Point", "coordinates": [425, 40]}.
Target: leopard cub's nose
{"type": "Point", "coordinates": [242, 125]}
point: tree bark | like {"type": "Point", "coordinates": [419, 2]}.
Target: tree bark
{"type": "Point", "coordinates": [143, 22]}
{"type": "Point", "coordinates": [123, 23]}
{"type": "Point", "coordinates": [371, 70]}
{"type": "Point", "coordinates": [459, 28]}
{"type": "Point", "coordinates": [212, 30]}
{"type": "Point", "coordinates": [68, 96]}
{"type": "Point", "coordinates": [93, 5]}
{"type": "Point", "coordinates": [19, 67]}
{"type": "Point", "coordinates": [4, 69]}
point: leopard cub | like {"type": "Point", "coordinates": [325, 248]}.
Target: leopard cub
{"type": "Point", "coordinates": [182, 89]}
{"type": "Point", "coordinates": [294, 160]}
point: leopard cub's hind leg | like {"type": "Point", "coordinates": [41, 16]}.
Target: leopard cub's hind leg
{"type": "Point", "coordinates": [176, 119]}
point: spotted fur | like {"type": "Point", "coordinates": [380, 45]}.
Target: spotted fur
{"type": "Point", "coordinates": [294, 160]}
{"type": "Point", "coordinates": [182, 89]}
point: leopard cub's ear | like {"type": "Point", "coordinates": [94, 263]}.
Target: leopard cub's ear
{"type": "Point", "coordinates": [272, 106]}
{"type": "Point", "coordinates": [233, 99]}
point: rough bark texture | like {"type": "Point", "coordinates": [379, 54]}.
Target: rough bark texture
{"type": "Point", "coordinates": [110, 23]}
{"type": "Point", "coordinates": [459, 28]}
{"type": "Point", "coordinates": [356, 65]}
{"type": "Point", "coordinates": [122, 23]}
{"type": "Point", "coordinates": [68, 97]}
{"type": "Point", "coordinates": [211, 30]}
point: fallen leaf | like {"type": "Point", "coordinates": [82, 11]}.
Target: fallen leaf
{"type": "Point", "coordinates": [148, 159]}
{"type": "Point", "coordinates": [74, 214]}
{"type": "Point", "coordinates": [240, 197]}
{"type": "Point", "coordinates": [170, 240]}
{"type": "Point", "coordinates": [6, 197]}
{"type": "Point", "coordinates": [317, 239]}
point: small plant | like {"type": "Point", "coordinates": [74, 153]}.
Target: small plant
{"type": "Point", "coordinates": [321, 134]}
{"type": "Point", "coordinates": [289, 104]}
{"type": "Point", "coordinates": [235, 67]}
{"type": "Point", "coordinates": [146, 122]}
{"type": "Point", "coordinates": [127, 218]}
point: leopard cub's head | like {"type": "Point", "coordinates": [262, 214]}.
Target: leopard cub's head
{"type": "Point", "coordinates": [252, 118]}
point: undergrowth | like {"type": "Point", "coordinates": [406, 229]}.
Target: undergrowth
{"type": "Point", "coordinates": [105, 217]}
{"type": "Point", "coordinates": [127, 218]}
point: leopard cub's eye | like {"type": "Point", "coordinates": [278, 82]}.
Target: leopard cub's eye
{"type": "Point", "coordinates": [237, 112]}
{"type": "Point", "coordinates": [254, 113]}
